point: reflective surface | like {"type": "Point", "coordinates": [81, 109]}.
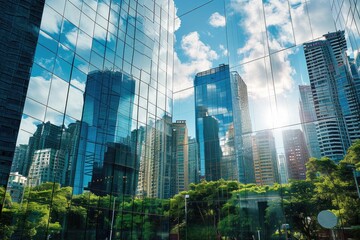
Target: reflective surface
{"type": "Point", "coordinates": [259, 87]}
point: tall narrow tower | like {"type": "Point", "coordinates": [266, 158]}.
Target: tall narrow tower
{"type": "Point", "coordinates": [180, 162]}
{"type": "Point", "coordinates": [296, 153]}
{"type": "Point", "coordinates": [222, 116]}
{"type": "Point", "coordinates": [265, 158]}
{"type": "Point", "coordinates": [333, 92]}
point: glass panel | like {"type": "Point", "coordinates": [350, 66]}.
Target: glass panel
{"type": "Point", "coordinates": [72, 13]}
{"type": "Point", "coordinates": [54, 20]}
{"type": "Point", "coordinates": [74, 104]}
{"type": "Point", "coordinates": [58, 94]}
{"type": "Point", "coordinates": [54, 117]}
{"type": "Point", "coordinates": [44, 58]}
{"type": "Point", "coordinates": [194, 120]}
{"type": "Point", "coordinates": [247, 31]}
{"type": "Point", "coordinates": [39, 84]}
{"type": "Point", "coordinates": [34, 109]}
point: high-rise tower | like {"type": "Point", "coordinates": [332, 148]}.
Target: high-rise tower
{"type": "Point", "coordinates": [296, 153]}
{"type": "Point", "coordinates": [17, 47]}
{"type": "Point", "coordinates": [99, 72]}
{"type": "Point", "coordinates": [308, 120]}
{"type": "Point", "coordinates": [180, 162]}
{"type": "Point", "coordinates": [194, 167]}
{"type": "Point", "coordinates": [334, 96]}
{"type": "Point", "coordinates": [265, 158]}
{"type": "Point", "coordinates": [108, 108]}
{"type": "Point", "coordinates": [222, 116]}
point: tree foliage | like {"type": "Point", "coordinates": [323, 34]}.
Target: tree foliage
{"type": "Point", "coordinates": [214, 210]}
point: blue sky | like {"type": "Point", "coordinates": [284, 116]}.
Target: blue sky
{"type": "Point", "coordinates": [208, 33]}
{"type": "Point", "coordinates": [236, 32]}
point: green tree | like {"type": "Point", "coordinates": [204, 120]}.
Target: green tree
{"type": "Point", "coordinates": [302, 206]}
{"type": "Point", "coordinates": [353, 155]}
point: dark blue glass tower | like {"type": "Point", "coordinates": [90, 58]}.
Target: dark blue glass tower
{"type": "Point", "coordinates": [105, 134]}
{"type": "Point", "coordinates": [99, 71]}
{"type": "Point", "coordinates": [222, 116]}
{"type": "Point", "coordinates": [20, 22]}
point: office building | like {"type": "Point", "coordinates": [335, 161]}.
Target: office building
{"type": "Point", "coordinates": [55, 143]}
{"type": "Point", "coordinates": [354, 66]}
{"type": "Point", "coordinates": [296, 153]}
{"type": "Point", "coordinates": [221, 113]}
{"type": "Point", "coordinates": [334, 96]}
{"type": "Point", "coordinates": [265, 158]}
{"type": "Point", "coordinates": [194, 165]}
{"type": "Point", "coordinates": [346, 85]}
{"type": "Point", "coordinates": [154, 178]}
{"type": "Point", "coordinates": [17, 47]}
{"type": "Point", "coordinates": [47, 165]}
{"type": "Point", "coordinates": [19, 159]}
{"type": "Point", "coordinates": [241, 93]}
{"type": "Point", "coordinates": [16, 186]}
{"type": "Point", "coordinates": [88, 74]}
{"type": "Point", "coordinates": [46, 136]}
{"type": "Point", "coordinates": [283, 173]}
{"type": "Point", "coordinates": [106, 121]}
{"type": "Point", "coordinates": [180, 162]}
{"type": "Point", "coordinates": [308, 120]}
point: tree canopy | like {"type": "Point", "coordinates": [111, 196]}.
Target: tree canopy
{"type": "Point", "coordinates": [208, 210]}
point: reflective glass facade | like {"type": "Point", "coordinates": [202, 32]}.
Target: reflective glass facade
{"type": "Point", "coordinates": [19, 33]}
{"type": "Point", "coordinates": [335, 100]}
{"type": "Point", "coordinates": [98, 107]}
{"type": "Point", "coordinates": [222, 115]}
{"type": "Point", "coordinates": [90, 90]}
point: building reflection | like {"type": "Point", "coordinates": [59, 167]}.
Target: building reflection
{"type": "Point", "coordinates": [223, 125]}
{"type": "Point", "coordinates": [155, 142]}
{"type": "Point", "coordinates": [105, 155]}
{"type": "Point", "coordinates": [49, 154]}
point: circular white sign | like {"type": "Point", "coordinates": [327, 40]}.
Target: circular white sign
{"type": "Point", "coordinates": [327, 219]}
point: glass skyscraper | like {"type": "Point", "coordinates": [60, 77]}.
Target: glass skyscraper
{"type": "Point", "coordinates": [296, 153]}
{"type": "Point", "coordinates": [105, 144]}
{"type": "Point", "coordinates": [91, 90]}
{"type": "Point", "coordinates": [19, 33]}
{"type": "Point", "coordinates": [308, 120]}
{"type": "Point", "coordinates": [333, 91]}
{"type": "Point", "coordinates": [265, 158]}
{"type": "Point", "coordinates": [88, 89]}
{"type": "Point", "coordinates": [222, 116]}
{"type": "Point", "coordinates": [193, 159]}
{"type": "Point", "coordinates": [180, 162]}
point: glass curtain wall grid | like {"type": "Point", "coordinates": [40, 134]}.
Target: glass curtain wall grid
{"type": "Point", "coordinates": [87, 99]}
{"type": "Point", "coordinates": [178, 119]}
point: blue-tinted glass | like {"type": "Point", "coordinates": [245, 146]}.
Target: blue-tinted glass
{"type": "Point", "coordinates": [62, 69]}
{"type": "Point", "coordinates": [44, 57]}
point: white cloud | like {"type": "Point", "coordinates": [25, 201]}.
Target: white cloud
{"type": "Point", "coordinates": [257, 74]}
{"type": "Point", "coordinates": [75, 100]}
{"type": "Point", "coordinates": [51, 21]}
{"type": "Point", "coordinates": [27, 128]}
{"type": "Point", "coordinates": [283, 30]}
{"type": "Point", "coordinates": [79, 39]}
{"type": "Point", "coordinates": [58, 94]}
{"type": "Point", "coordinates": [195, 49]}
{"type": "Point", "coordinates": [319, 13]}
{"type": "Point", "coordinates": [200, 58]}
{"type": "Point", "coordinates": [177, 22]}
{"type": "Point", "coordinates": [224, 50]}
{"type": "Point", "coordinates": [78, 84]}
{"type": "Point", "coordinates": [39, 89]}
{"type": "Point", "coordinates": [217, 20]}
